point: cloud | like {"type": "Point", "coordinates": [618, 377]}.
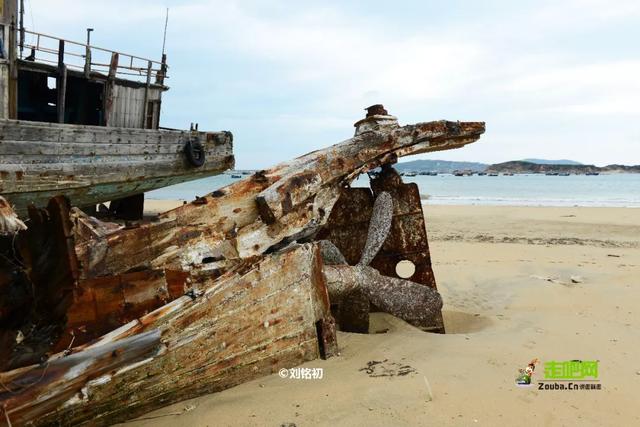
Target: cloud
{"type": "Point", "coordinates": [550, 78]}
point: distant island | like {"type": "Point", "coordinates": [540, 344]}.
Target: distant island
{"type": "Point", "coordinates": [551, 162]}
{"type": "Point", "coordinates": [526, 166]}
{"type": "Point", "coordinates": [520, 166]}
{"type": "Point", "coordinates": [439, 166]}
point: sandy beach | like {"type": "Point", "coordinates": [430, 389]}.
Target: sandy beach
{"type": "Point", "coordinates": [505, 275]}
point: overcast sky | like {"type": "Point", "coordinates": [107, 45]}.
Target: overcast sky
{"type": "Point", "coordinates": [552, 79]}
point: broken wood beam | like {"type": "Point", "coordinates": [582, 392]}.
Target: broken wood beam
{"type": "Point", "coordinates": [33, 392]}
{"type": "Point", "coordinates": [44, 259]}
{"type": "Point", "coordinates": [237, 283]}
{"type": "Point", "coordinates": [263, 210]}
{"type": "Point", "coordinates": [269, 314]}
{"type": "Point", "coordinates": [381, 141]}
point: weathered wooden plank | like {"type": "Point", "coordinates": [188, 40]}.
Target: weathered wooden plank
{"type": "Point", "coordinates": [238, 327]}
{"type": "Point", "coordinates": [85, 193]}
{"type": "Point", "coordinates": [92, 164]}
{"type": "Point", "coordinates": [16, 130]}
{"type": "Point", "coordinates": [102, 304]}
{"type": "Point", "coordinates": [259, 298]}
{"type": "Point", "coordinates": [131, 174]}
{"type": "Point", "coordinates": [84, 148]}
{"type": "Point", "coordinates": [40, 389]}
{"type": "Point", "coordinates": [233, 213]}
{"type": "Point", "coordinates": [42, 163]}
{"type": "Point", "coordinates": [179, 231]}
{"type": "Point", "coordinates": [310, 172]}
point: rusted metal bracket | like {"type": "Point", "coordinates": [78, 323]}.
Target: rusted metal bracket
{"type": "Point", "coordinates": [407, 241]}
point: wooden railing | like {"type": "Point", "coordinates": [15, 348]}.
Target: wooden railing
{"type": "Point", "coordinates": [87, 58]}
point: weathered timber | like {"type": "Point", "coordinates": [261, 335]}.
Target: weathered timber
{"type": "Point", "coordinates": [214, 233]}
{"type": "Point", "coordinates": [44, 261]}
{"type": "Point", "coordinates": [259, 280]}
{"type": "Point", "coordinates": [103, 304]}
{"type": "Point", "coordinates": [86, 227]}
{"type": "Point", "coordinates": [270, 314]}
{"type": "Point", "coordinates": [35, 391]}
{"type": "Point", "coordinates": [378, 140]}
{"type": "Point", "coordinates": [250, 216]}
{"type": "Point", "coordinates": [94, 164]}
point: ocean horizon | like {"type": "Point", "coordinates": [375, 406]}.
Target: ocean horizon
{"type": "Point", "coordinates": [605, 190]}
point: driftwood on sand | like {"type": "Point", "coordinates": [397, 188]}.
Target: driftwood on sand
{"type": "Point", "coordinates": [237, 284]}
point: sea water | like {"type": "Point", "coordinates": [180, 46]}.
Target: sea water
{"type": "Point", "coordinates": [615, 190]}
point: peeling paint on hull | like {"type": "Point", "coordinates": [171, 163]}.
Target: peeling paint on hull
{"type": "Point", "coordinates": [237, 283]}
{"type": "Point", "coordinates": [93, 164]}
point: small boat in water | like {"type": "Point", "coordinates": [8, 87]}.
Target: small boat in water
{"type": "Point", "coordinates": [410, 174]}
{"type": "Point", "coordinates": [592, 173]}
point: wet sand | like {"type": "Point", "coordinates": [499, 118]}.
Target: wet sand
{"type": "Point", "coordinates": [505, 277]}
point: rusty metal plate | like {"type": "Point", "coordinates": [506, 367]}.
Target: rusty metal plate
{"type": "Point", "coordinates": [348, 225]}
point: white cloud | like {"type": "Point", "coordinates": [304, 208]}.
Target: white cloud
{"type": "Point", "coordinates": [547, 76]}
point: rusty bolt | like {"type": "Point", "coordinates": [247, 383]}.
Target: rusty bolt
{"type": "Point", "coordinates": [376, 110]}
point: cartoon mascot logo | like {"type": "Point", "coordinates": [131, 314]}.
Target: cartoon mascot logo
{"type": "Point", "coordinates": [524, 379]}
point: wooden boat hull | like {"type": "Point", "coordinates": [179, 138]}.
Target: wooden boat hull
{"type": "Point", "coordinates": [242, 326]}
{"type": "Point", "coordinates": [237, 284]}
{"type": "Point", "coordinates": [94, 164]}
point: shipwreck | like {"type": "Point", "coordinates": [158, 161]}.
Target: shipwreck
{"type": "Point", "coordinates": [83, 121]}
{"type": "Point", "coordinates": [103, 322]}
